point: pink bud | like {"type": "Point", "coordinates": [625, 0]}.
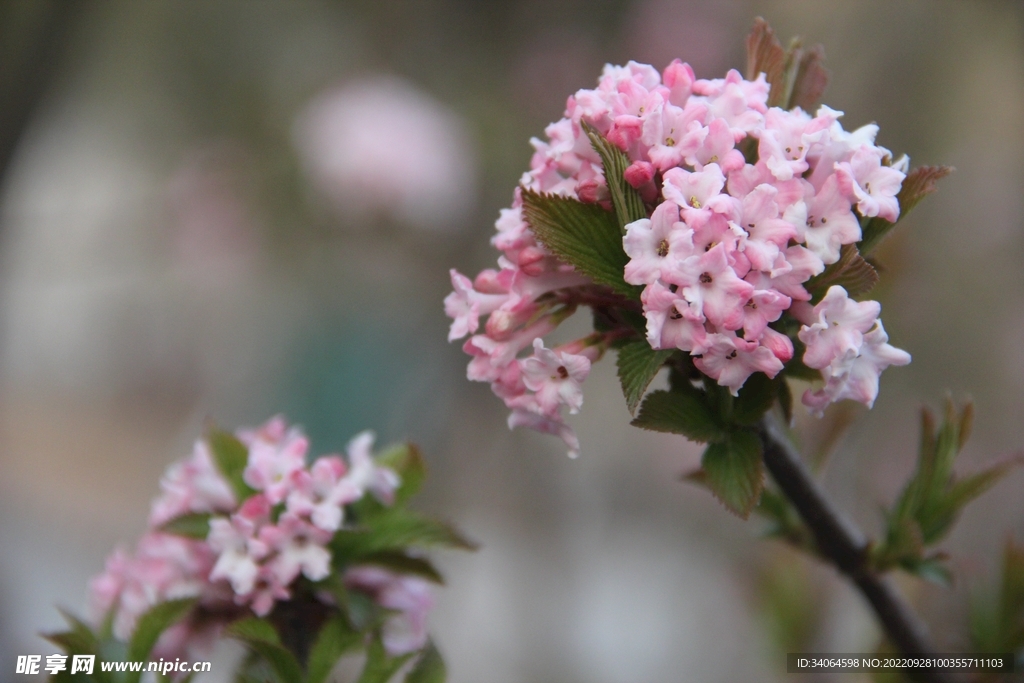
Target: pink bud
{"type": "Point", "coordinates": [778, 343]}
{"type": "Point", "coordinates": [592, 191]}
{"type": "Point", "coordinates": [639, 173]}
{"type": "Point", "coordinates": [531, 261]}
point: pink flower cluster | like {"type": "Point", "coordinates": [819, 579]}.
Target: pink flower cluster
{"type": "Point", "coordinates": [749, 202]}
{"type": "Point", "coordinates": [255, 548]}
{"type": "Point", "coordinates": [847, 343]}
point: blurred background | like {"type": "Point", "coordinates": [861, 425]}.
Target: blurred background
{"type": "Point", "coordinates": [230, 209]}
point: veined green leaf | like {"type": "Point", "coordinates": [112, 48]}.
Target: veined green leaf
{"type": "Point", "coordinates": [679, 412]}
{"type": "Point", "coordinates": [756, 397]}
{"type": "Point", "coordinates": [628, 204]}
{"type": "Point", "coordinates": [734, 471]}
{"type": "Point", "coordinates": [638, 363]}
{"type": "Point", "coordinates": [583, 235]}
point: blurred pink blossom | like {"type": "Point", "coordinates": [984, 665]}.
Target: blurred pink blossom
{"type": "Point", "coordinates": [381, 147]}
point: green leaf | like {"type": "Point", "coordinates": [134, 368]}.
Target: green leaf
{"type": "Point", "coordinates": [363, 613]}
{"type": "Point", "coordinates": [638, 363]}
{"type": "Point", "coordinates": [1011, 597]}
{"type": "Point", "coordinates": [937, 519]}
{"type": "Point", "coordinates": [334, 640]}
{"type": "Point", "coordinates": [679, 412]}
{"type": "Point", "coordinates": [734, 471]}
{"type": "Point", "coordinates": [629, 206]}
{"type": "Point", "coordinates": [72, 642]}
{"type": "Point", "coordinates": [583, 235]}
{"type": "Point", "coordinates": [997, 616]}
{"type": "Point", "coordinates": [851, 272]}
{"type": "Point", "coordinates": [254, 629]}
{"type": "Point", "coordinates": [934, 570]}
{"type": "Point", "coordinates": [407, 462]}
{"type": "Point", "coordinates": [756, 396]}
{"type": "Point", "coordinates": [429, 668]}
{"type": "Point", "coordinates": [231, 457]}
{"type": "Point", "coordinates": [152, 624]}
{"type": "Point", "coordinates": [918, 184]}
{"type": "Point", "coordinates": [80, 639]}
{"type": "Point", "coordinates": [903, 545]}
{"type": "Point", "coordinates": [933, 498]}
{"type": "Point", "coordinates": [397, 530]}
{"type": "Point", "coordinates": [963, 491]}
{"type": "Point", "coordinates": [190, 525]}
{"type": "Point", "coordinates": [404, 564]}
{"type": "Point", "coordinates": [765, 54]}
{"type": "Point", "coordinates": [379, 666]}
{"type": "Point", "coordinates": [260, 637]}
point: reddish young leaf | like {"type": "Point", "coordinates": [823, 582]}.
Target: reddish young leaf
{"type": "Point", "coordinates": [765, 54]}
{"type": "Point", "coordinates": [811, 79]}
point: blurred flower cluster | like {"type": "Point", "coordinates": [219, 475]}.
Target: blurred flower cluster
{"type": "Point", "coordinates": [248, 529]}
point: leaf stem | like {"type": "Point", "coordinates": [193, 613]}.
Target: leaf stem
{"type": "Point", "coordinates": [841, 542]}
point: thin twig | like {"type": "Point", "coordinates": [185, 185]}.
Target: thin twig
{"type": "Point", "coordinates": [846, 546]}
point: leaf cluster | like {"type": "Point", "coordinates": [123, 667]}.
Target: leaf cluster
{"type": "Point", "coordinates": [702, 411]}
{"type": "Point", "coordinates": [82, 639]}
{"type": "Point", "coordinates": [934, 497]}
{"type": "Point", "coordinates": [797, 75]}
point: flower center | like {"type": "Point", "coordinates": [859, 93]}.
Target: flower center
{"type": "Point", "coordinates": [706, 278]}
{"type": "Point", "coordinates": [562, 372]}
{"type": "Point", "coordinates": [663, 248]}
{"type": "Point", "coordinates": [694, 202]}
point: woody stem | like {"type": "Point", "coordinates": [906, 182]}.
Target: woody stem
{"type": "Point", "coordinates": [842, 543]}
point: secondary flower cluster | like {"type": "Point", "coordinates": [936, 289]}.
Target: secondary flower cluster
{"type": "Point", "coordinates": [256, 548]}
{"type": "Point", "coordinates": [745, 203]}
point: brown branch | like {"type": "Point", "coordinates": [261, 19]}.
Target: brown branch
{"type": "Point", "coordinates": [842, 543]}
